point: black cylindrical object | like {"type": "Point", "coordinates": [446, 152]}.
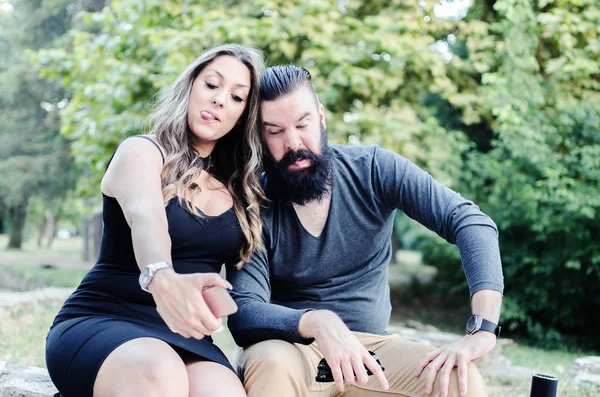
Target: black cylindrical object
{"type": "Point", "coordinates": [543, 385]}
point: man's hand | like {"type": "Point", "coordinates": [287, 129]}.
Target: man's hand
{"type": "Point", "coordinates": [346, 356]}
{"type": "Point", "coordinates": [441, 361]}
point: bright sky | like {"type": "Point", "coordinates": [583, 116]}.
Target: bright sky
{"type": "Point", "coordinates": [452, 9]}
{"type": "Point", "coordinates": [444, 9]}
{"type": "Point", "coordinates": [5, 6]}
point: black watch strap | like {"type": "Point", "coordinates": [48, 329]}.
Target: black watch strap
{"type": "Point", "coordinates": [490, 327]}
{"type": "Point", "coordinates": [476, 323]}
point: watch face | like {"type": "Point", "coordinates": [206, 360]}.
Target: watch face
{"type": "Point", "coordinates": [471, 324]}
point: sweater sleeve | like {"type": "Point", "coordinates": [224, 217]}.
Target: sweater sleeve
{"type": "Point", "coordinates": [400, 184]}
{"type": "Point", "coordinates": [257, 319]}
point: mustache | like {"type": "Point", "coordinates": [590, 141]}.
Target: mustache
{"type": "Point", "coordinates": [293, 156]}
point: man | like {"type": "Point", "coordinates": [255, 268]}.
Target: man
{"type": "Point", "coordinates": [320, 289]}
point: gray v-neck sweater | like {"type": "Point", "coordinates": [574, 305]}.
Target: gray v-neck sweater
{"type": "Point", "coordinates": [345, 269]}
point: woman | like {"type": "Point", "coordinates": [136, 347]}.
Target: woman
{"type": "Point", "coordinates": [189, 195]}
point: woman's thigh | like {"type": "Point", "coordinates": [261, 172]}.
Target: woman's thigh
{"type": "Point", "coordinates": [209, 379]}
{"type": "Point", "coordinates": [142, 367]}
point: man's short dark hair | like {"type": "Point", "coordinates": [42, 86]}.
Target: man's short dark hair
{"type": "Point", "coordinates": [281, 80]}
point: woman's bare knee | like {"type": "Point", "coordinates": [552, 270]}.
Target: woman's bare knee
{"type": "Point", "coordinates": [143, 366]}
{"type": "Point", "coordinates": [209, 379]}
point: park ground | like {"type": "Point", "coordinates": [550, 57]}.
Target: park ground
{"type": "Point", "coordinates": [34, 283]}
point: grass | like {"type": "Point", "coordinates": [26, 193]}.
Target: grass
{"type": "Point", "coordinates": [553, 362]}
{"type": "Point", "coordinates": [23, 332]}
{"type": "Point", "coordinates": [27, 277]}
{"type": "Point", "coordinates": [498, 387]}
{"type": "Point", "coordinates": [70, 248]}
{"type": "Point", "coordinates": [63, 253]}
{"type": "Point", "coordinates": [24, 327]}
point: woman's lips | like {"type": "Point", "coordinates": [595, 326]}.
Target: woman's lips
{"type": "Point", "coordinates": [209, 116]}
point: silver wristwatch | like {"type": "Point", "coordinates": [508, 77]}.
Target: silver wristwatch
{"type": "Point", "coordinates": [148, 272]}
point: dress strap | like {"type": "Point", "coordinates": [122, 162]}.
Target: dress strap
{"type": "Point", "coordinates": [140, 136]}
{"type": "Point", "coordinates": [154, 143]}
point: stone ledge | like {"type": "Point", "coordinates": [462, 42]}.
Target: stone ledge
{"type": "Point", "coordinates": [586, 370]}
{"type": "Point", "coordinates": [19, 381]}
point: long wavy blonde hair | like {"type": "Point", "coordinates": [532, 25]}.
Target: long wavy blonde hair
{"type": "Point", "coordinates": [237, 157]}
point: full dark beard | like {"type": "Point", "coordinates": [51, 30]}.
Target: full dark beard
{"type": "Point", "coordinates": [301, 186]}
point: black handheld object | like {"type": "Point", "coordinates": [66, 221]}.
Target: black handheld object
{"type": "Point", "coordinates": [324, 371]}
{"type": "Point", "coordinates": [543, 386]}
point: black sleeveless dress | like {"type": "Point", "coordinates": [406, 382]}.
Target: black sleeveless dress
{"type": "Point", "coordinates": [109, 308]}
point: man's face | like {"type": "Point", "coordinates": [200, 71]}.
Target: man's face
{"type": "Point", "coordinates": [291, 123]}
{"type": "Point", "coordinates": [294, 131]}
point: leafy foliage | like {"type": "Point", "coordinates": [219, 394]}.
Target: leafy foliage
{"type": "Point", "coordinates": [369, 70]}
{"type": "Point", "coordinates": [530, 103]}
{"type": "Point", "coordinates": [502, 105]}
{"type": "Point", "coordinates": [35, 160]}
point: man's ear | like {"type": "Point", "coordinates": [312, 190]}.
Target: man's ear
{"type": "Point", "coordinates": [322, 114]}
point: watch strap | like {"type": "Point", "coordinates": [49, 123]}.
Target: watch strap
{"type": "Point", "coordinates": [490, 327]}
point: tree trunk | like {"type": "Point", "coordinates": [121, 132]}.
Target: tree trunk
{"type": "Point", "coordinates": [51, 228]}
{"type": "Point", "coordinates": [86, 238]}
{"type": "Point", "coordinates": [395, 248]}
{"type": "Point", "coordinates": [3, 216]}
{"type": "Point", "coordinates": [97, 221]}
{"type": "Point", "coordinates": [42, 229]}
{"type": "Point", "coordinates": [55, 217]}
{"type": "Point", "coordinates": [18, 213]}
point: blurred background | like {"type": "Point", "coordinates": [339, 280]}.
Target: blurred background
{"type": "Point", "coordinates": [499, 100]}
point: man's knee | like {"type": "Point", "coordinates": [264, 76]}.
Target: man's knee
{"type": "Point", "coordinates": [475, 384]}
{"type": "Point", "coordinates": [401, 357]}
{"type": "Point", "coordinates": [273, 368]}
{"type": "Point", "coordinates": [275, 359]}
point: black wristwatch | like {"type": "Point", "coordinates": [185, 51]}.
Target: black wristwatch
{"type": "Point", "coordinates": [477, 323]}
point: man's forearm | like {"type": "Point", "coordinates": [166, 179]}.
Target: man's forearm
{"type": "Point", "coordinates": [487, 304]}
{"type": "Point", "coordinates": [258, 321]}
{"type": "Point", "coordinates": [319, 324]}
{"type": "Point", "coordinates": [309, 323]}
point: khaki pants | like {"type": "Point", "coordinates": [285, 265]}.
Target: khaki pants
{"type": "Point", "coordinates": [276, 368]}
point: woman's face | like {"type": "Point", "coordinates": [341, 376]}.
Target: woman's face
{"type": "Point", "coordinates": [217, 101]}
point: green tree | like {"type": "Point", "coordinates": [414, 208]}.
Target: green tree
{"type": "Point", "coordinates": [34, 158]}
{"type": "Point", "coordinates": [529, 101]}
{"type": "Point", "coordinates": [370, 60]}
{"type": "Point", "coordinates": [507, 114]}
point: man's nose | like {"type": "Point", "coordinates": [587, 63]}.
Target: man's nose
{"type": "Point", "coordinates": [292, 141]}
